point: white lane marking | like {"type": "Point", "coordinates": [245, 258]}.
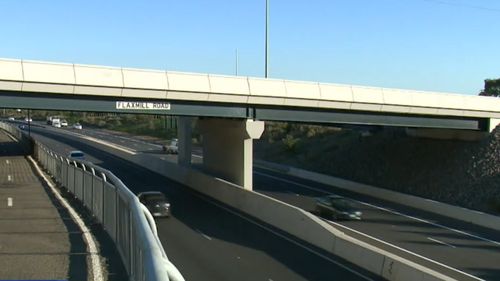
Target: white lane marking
{"type": "Point", "coordinates": [441, 242]}
{"type": "Point", "coordinates": [204, 235]}
{"type": "Point", "coordinates": [12, 137]}
{"type": "Point", "coordinates": [197, 156]}
{"type": "Point", "coordinates": [434, 224]}
{"type": "Point", "coordinates": [387, 210]}
{"type": "Point", "coordinates": [92, 248]}
{"type": "Point", "coordinates": [9, 178]}
{"type": "Point", "coordinates": [404, 250]}
{"type": "Point", "coordinates": [10, 202]}
{"type": "Point", "coordinates": [115, 146]}
{"type": "Point", "coordinates": [284, 237]}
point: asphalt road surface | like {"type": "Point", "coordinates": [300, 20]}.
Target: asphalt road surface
{"type": "Point", "coordinates": [458, 249]}
{"type": "Point", "coordinates": [207, 240]}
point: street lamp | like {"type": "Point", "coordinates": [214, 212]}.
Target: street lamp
{"type": "Point", "coordinates": [267, 41]}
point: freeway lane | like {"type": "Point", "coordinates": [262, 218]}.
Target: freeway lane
{"type": "Point", "coordinates": [427, 238]}
{"type": "Point", "coordinates": [456, 244]}
{"type": "Point", "coordinates": [207, 241]}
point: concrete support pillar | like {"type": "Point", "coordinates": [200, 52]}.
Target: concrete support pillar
{"type": "Point", "coordinates": [493, 124]}
{"type": "Point", "coordinates": [184, 133]}
{"type": "Point", "coordinates": [228, 148]}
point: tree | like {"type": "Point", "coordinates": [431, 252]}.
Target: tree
{"type": "Point", "coordinates": [491, 88]}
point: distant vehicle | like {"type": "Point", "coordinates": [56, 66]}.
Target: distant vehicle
{"type": "Point", "coordinates": [12, 118]}
{"type": "Point", "coordinates": [76, 155]}
{"type": "Point", "coordinates": [337, 207]}
{"type": "Point", "coordinates": [64, 123]}
{"type": "Point", "coordinates": [23, 127]}
{"type": "Point", "coordinates": [77, 126]}
{"type": "Point", "coordinates": [56, 123]}
{"type": "Point", "coordinates": [156, 202]}
{"type": "Point", "coordinates": [171, 147]}
{"type": "Point", "coordinates": [26, 119]}
{"type": "Point", "coordinates": [51, 119]}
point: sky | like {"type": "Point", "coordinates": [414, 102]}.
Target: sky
{"type": "Point", "coordinates": [431, 45]}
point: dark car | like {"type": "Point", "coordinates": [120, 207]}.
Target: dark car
{"type": "Point", "coordinates": [337, 207]}
{"type": "Point", "coordinates": [156, 202]}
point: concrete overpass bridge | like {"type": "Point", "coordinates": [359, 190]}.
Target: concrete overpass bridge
{"type": "Point", "coordinates": [233, 108]}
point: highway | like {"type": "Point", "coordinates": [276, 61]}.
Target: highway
{"type": "Point", "coordinates": [461, 250]}
{"type": "Point", "coordinates": [207, 240]}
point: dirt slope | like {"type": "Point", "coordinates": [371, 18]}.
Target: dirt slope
{"type": "Point", "coordinates": [457, 172]}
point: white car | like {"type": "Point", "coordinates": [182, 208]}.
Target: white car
{"type": "Point", "coordinates": [12, 118]}
{"type": "Point", "coordinates": [64, 123]}
{"type": "Point", "coordinates": [76, 155]}
{"type": "Point", "coordinates": [171, 147]}
{"type": "Point", "coordinates": [77, 126]}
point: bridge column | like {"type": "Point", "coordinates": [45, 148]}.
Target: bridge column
{"type": "Point", "coordinates": [184, 133]}
{"type": "Point", "coordinates": [228, 148]}
{"type": "Point", "coordinates": [493, 124]}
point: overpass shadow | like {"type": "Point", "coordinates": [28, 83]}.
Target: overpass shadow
{"type": "Point", "coordinates": [10, 148]}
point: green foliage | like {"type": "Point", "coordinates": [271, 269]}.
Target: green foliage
{"type": "Point", "coordinates": [491, 88]}
{"type": "Point", "coordinates": [290, 143]}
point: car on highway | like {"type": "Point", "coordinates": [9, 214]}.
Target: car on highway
{"type": "Point", "coordinates": [56, 123]}
{"type": "Point", "coordinates": [77, 126]}
{"type": "Point", "coordinates": [76, 155]}
{"type": "Point", "coordinates": [171, 147]}
{"type": "Point", "coordinates": [156, 202]}
{"type": "Point", "coordinates": [337, 207]}
{"type": "Point", "coordinates": [12, 118]}
{"type": "Point", "coordinates": [64, 123]}
{"type": "Point", "coordinates": [27, 119]}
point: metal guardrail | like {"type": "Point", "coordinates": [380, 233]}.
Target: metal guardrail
{"type": "Point", "coordinates": [125, 219]}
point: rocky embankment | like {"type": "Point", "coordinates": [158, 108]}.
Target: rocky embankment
{"type": "Point", "coordinates": [456, 172]}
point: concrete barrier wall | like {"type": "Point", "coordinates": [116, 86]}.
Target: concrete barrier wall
{"type": "Point", "coordinates": [459, 213]}
{"type": "Point", "coordinates": [289, 219]}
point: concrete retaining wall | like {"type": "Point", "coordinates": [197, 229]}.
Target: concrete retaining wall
{"type": "Point", "coordinates": [459, 213]}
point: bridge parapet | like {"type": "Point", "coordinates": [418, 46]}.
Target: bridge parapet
{"type": "Point", "coordinates": [88, 80]}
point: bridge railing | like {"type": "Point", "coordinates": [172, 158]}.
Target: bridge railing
{"type": "Point", "coordinates": [128, 222]}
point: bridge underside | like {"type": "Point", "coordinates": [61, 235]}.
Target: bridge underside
{"type": "Point", "coordinates": [43, 101]}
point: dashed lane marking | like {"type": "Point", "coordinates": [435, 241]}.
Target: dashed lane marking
{"type": "Point", "coordinates": [441, 242]}
{"type": "Point", "coordinates": [204, 235]}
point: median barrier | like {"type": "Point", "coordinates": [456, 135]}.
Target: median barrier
{"type": "Point", "coordinates": [289, 219]}
{"type": "Point", "coordinates": [458, 213]}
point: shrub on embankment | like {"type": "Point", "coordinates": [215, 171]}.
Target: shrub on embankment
{"type": "Point", "coordinates": [456, 172]}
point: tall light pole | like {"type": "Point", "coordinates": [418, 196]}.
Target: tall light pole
{"type": "Point", "coordinates": [267, 40]}
{"type": "Point", "coordinates": [236, 70]}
